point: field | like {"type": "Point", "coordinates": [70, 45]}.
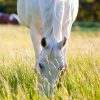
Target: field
{"type": "Point", "coordinates": [18, 80]}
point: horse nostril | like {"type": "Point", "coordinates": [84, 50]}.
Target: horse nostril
{"type": "Point", "coordinates": [61, 68]}
{"type": "Point", "coordinates": [40, 65]}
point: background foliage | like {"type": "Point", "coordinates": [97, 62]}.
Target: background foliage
{"type": "Point", "coordinates": [89, 9]}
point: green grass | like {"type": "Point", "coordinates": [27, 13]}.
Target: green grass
{"type": "Point", "coordinates": [19, 82]}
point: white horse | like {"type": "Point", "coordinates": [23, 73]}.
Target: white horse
{"type": "Point", "coordinates": [50, 23]}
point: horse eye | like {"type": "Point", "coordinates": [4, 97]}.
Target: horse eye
{"type": "Point", "coordinates": [43, 42]}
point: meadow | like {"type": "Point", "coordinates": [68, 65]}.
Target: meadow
{"type": "Point", "coordinates": [18, 81]}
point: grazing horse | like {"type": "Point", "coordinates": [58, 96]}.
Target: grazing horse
{"type": "Point", "coordinates": [50, 23]}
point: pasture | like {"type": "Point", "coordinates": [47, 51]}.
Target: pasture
{"type": "Point", "coordinates": [18, 80]}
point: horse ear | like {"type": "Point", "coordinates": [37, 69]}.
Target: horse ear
{"type": "Point", "coordinates": [44, 42]}
{"type": "Point", "coordinates": [62, 43]}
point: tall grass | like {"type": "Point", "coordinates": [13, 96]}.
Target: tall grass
{"type": "Point", "coordinates": [19, 82]}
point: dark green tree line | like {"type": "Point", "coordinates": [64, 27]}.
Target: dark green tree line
{"type": "Point", "coordinates": [89, 10]}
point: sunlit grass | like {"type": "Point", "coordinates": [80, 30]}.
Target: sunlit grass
{"type": "Point", "coordinates": [19, 82]}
